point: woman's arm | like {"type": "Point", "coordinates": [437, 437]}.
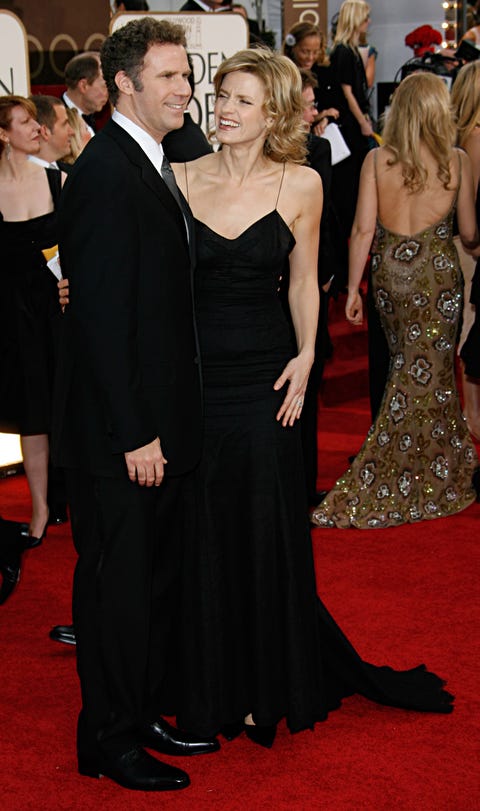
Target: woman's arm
{"type": "Point", "coordinates": [466, 214]}
{"type": "Point", "coordinates": [472, 148]}
{"type": "Point", "coordinates": [303, 295]}
{"type": "Point", "coordinates": [364, 123]}
{"type": "Point", "coordinates": [361, 238]}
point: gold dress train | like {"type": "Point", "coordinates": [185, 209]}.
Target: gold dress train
{"type": "Point", "coordinates": [417, 460]}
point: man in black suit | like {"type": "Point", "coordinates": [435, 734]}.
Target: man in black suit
{"type": "Point", "coordinates": [86, 88]}
{"type": "Point", "coordinates": [127, 423]}
{"type": "Point", "coordinates": [319, 157]}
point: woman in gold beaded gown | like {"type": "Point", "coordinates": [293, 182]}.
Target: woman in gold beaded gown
{"type": "Point", "coordinates": [417, 460]}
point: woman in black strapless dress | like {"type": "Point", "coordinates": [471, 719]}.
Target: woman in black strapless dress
{"type": "Point", "coordinates": [29, 297]}
{"type": "Point", "coordinates": [257, 643]}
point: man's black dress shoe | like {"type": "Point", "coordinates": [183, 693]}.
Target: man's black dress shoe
{"type": "Point", "coordinates": [63, 633]}
{"type": "Point", "coordinates": [135, 769]}
{"type": "Point", "coordinates": [10, 576]}
{"type": "Point", "coordinates": [168, 740]}
{"type": "Point", "coordinates": [12, 545]}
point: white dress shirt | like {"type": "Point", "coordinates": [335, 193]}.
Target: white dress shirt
{"type": "Point", "coordinates": [44, 163]}
{"type": "Point", "coordinates": [69, 103]}
{"type": "Point", "coordinates": [148, 144]}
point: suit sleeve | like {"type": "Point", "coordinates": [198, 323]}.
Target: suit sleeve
{"type": "Point", "coordinates": [99, 252]}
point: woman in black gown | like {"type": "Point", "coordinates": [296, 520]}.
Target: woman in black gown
{"type": "Point", "coordinates": [29, 301]}
{"type": "Point", "coordinates": [257, 643]}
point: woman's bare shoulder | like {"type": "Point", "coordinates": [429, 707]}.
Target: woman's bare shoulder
{"type": "Point", "coordinates": [303, 178]}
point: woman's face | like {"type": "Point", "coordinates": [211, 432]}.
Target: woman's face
{"type": "Point", "coordinates": [22, 132]}
{"type": "Point", "coordinates": [364, 26]}
{"type": "Point", "coordinates": [306, 51]}
{"type": "Point", "coordinates": [239, 114]}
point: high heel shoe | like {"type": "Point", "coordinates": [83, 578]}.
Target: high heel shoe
{"type": "Point", "coordinates": [232, 731]}
{"type": "Point", "coordinates": [31, 541]}
{"type": "Point", "coordinates": [263, 736]}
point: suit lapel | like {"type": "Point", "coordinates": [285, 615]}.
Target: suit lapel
{"type": "Point", "coordinates": [148, 173]}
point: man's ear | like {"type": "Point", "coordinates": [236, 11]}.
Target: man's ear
{"type": "Point", "coordinates": [82, 85]}
{"type": "Point", "coordinates": [124, 83]}
{"type": "Point", "coordinates": [45, 133]}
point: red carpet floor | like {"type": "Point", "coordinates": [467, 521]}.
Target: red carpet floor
{"type": "Point", "coordinates": [403, 596]}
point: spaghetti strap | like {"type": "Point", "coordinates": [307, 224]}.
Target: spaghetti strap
{"type": "Point", "coordinates": [280, 187]}
{"type": "Point", "coordinates": [186, 184]}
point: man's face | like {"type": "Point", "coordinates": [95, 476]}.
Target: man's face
{"type": "Point", "coordinates": [94, 95]}
{"type": "Point", "coordinates": [59, 140]}
{"type": "Point", "coordinates": [309, 106]}
{"type": "Point", "coordinates": [159, 107]}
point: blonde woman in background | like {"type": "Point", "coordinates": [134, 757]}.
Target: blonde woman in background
{"type": "Point", "coordinates": [348, 71]}
{"type": "Point", "coordinates": [417, 461]}
{"type": "Point", "coordinates": [81, 135]}
{"type": "Point", "coordinates": [466, 104]}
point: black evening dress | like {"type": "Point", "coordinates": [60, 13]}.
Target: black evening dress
{"type": "Point", "coordinates": [28, 306]}
{"type": "Point", "coordinates": [255, 636]}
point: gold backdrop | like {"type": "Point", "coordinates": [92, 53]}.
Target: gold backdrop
{"type": "Point", "coordinates": [57, 29]}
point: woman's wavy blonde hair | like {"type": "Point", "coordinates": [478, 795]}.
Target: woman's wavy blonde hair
{"type": "Point", "coordinates": [466, 100]}
{"type": "Point", "coordinates": [283, 100]}
{"type": "Point", "coordinates": [420, 115]}
{"type": "Point", "coordinates": [352, 15]}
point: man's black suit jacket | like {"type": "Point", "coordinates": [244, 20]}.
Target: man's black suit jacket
{"type": "Point", "coordinates": [129, 368]}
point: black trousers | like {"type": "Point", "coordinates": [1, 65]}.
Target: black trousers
{"type": "Point", "coordinates": [129, 541]}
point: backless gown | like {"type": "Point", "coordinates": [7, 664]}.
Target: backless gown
{"type": "Point", "coordinates": [255, 637]}
{"type": "Point", "coordinates": [418, 460]}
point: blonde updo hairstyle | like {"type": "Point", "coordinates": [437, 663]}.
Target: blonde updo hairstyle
{"type": "Point", "coordinates": [283, 100]}
{"type": "Point", "coordinates": [466, 100]}
{"type": "Point", "coordinates": [420, 115]}
{"type": "Point", "coordinates": [352, 15]}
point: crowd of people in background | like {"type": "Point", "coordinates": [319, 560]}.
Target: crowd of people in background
{"type": "Point", "coordinates": [174, 403]}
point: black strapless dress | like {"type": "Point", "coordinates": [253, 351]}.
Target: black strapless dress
{"type": "Point", "coordinates": [28, 306]}
{"type": "Point", "coordinates": [255, 637]}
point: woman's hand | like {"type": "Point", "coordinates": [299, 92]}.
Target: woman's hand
{"type": "Point", "coordinates": [63, 290]}
{"type": "Point", "coordinates": [354, 308]}
{"type": "Point", "coordinates": [320, 127]}
{"type": "Point", "coordinates": [366, 127]}
{"type": "Point", "coordinates": [330, 112]}
{"type": "Point", "coordinates": [296, 372]}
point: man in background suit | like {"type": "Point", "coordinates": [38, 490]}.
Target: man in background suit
{"type": "Point", "coordinates": [86, 88]}
{"type": "Point", "coordinates": [55, 132]}
{"type": "Point", "coordinates": [127, 422]}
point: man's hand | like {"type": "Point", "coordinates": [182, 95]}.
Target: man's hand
{"type": "Point", "coordinates": [63, 291]}
{"type": "Point", "coordinates": [146, 465]}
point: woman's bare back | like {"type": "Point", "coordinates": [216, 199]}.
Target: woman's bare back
{"type": "Point", "coordinates": [407, 213]}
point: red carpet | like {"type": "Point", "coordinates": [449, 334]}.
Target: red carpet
{"type": "Point", "coordinates": [404, 596]}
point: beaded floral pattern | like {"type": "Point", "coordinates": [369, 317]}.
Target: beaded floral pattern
{"type": "Point", "coordinates": [417, 460]}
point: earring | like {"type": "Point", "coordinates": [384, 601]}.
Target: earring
{"type": "Point", "coordinates": [8, 150]}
